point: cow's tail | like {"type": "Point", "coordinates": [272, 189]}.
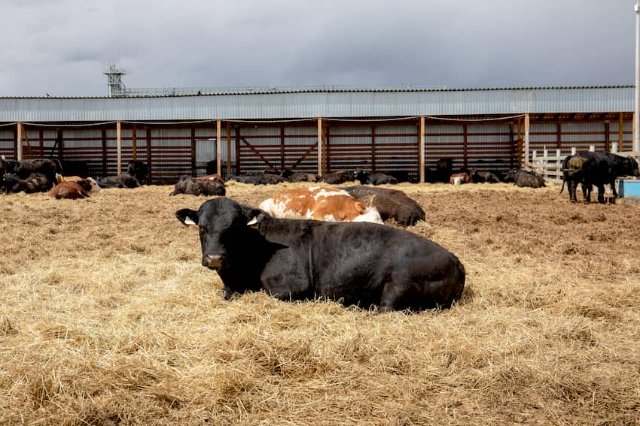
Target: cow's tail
{"type": "Point", "coordinates": [562, 187]}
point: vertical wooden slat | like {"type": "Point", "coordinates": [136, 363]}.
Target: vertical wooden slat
{"type": "Point", "coordinates": [18, 143]}
{"type": "Point", "coordinates": [558, 135]}
{"type": "Point", "coordinates": [421, 150]}
{"type": "Point", "coordinates": [320, 146]}
{"type": "Point", "coordinates": [118, 147]}
{"type": "Point", "coordinates": [219, 147]}
{"type": "Point", "coordinates": [607, 137]}
{"type": "Point", "coordinates": [228, 171]}
{"type": "Point", "coordinates": [526, 139]}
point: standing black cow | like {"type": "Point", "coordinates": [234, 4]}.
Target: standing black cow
{"type": "Point", "coordinates": [595, 168]}
{"type": "Point", "coordinates": [139, 170]}
{"type": "Point", "coordinates": [444, 170]}
{"type": "Point", "coordinates": [356, 263]}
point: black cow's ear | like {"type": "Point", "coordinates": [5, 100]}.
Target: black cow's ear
{"type": "Point", "coordinates": [187, 216]}
{"type": "Point", "coordinates": [254, 216]}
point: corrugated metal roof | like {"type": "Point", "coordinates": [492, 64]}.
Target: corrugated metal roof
{"type": "Point", "coordinates": [328, 102]}
{"type": "Point", "coordinates": [195, 91]}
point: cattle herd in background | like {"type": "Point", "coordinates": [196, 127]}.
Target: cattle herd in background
{"type": "Point", "coordinates": [586, 169]}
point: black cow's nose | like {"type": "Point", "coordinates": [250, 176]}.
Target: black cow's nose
{"type": "Point", "coordinates": [212, 260]}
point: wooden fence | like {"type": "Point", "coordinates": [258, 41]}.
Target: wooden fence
{"type": "Point", "coordinates": [549, 164]}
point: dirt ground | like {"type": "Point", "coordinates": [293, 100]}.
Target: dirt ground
{"type": "Point", "coordinates": [107, 317]}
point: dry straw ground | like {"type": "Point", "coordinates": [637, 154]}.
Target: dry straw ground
{"type": "Point", "coordinates": [107, 317]}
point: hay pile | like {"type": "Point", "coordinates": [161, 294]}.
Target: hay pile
{"type": "Point", "coordinates": [107, 317]}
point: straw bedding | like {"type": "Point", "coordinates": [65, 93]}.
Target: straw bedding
{"type": "Point", "coordinates": [107, 317]}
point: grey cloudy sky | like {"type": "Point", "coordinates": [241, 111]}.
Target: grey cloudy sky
{"type": "Point", "coordinates": [61, 47]}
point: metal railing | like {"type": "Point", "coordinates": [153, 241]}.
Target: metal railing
{"type": "Point", "coordinates": [549, 165]}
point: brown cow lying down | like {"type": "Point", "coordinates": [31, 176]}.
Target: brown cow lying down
{"type": "Point", "coordinates": [71, 190]}
{"type": "Point", "coordinates": [320, 203]}
{"type": "Point", "coordinates": [204, 185]}
{"type": "Point", "coordinates": [391, 203]}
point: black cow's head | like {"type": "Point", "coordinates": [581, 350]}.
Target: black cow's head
{"type": "Point", "coordinates": [632, 167]}
{"type": "Point", "coordinates": [139, 170]}
{"type": "Point", "coordinates": [222, 223]}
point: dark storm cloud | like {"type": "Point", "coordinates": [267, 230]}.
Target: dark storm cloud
{"type": "Point", "coordinates": [62, 47]}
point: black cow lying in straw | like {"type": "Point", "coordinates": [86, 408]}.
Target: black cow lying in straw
{"type": "Point", "coordinates": [355, 263]}
{"type": "Point", "coordinates": [391, 203]}
{"type": "Point", "coordinates": [524, 178]}
{"type": "Point", "coordinates": [204, 185]}
{"type": "Point", "coordinates": [35, 182]}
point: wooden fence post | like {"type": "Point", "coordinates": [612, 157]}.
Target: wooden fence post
{"type": "Point", "coordinates": [592, 148]}
{"type": "Point", "coordinates": [320, 146]}
{"type": "Point", "coordinates": [621, 131]}
{"type": "Point", "coordinates": [534, 156]}
{"type": "Point", "coordinates": [573, 150]}
{"type": "Point", "coordinates": [614, 147]}
{"type": "Point", "coordinates": [118, 147]}
{"type": "Point", "coordinates": [558, 163]}
{"type": "Point", "coordinates": [218, 147]}
{"type": "Point", "coordinates": [526, 138]}
{"type": "Point", "coordinates": [421, 150]}
{"type": "Point", "coordinates": [228, 150]}
{"type": "Point", "coordinates": [19, 141]}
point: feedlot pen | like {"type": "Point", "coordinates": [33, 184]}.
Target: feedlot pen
{"type": "Point", "coordinates": [107, 316]}
{"type": "Point", "coordinates": [381, 145]}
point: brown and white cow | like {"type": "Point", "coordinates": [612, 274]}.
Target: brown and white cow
{"type": "Point", "coordinates": [94, 184]}
{"type": "Point", "coordinates": [320, 203]}
{"type": "Point", "coordinates": [460, 178]}
{"type": "Point", "coordinates": [71, 190]}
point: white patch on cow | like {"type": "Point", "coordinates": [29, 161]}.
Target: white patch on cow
{"type": "Point", "coordinates": [370, 215]}
{"type": "Point", "coordinates": [457, 180]}
{"type": "Point", "coordinates": [329, 193]}
{"type": "Point", "coordinates": [329, 218]}
{"type": "Point", "coordinates": [253, 221]}
{"type": "Point", "coordinates": [94, 185]}
{"type": "Point", "coordinates": [279, 210]}
{"type": "Point", "coordinates": [188, 221]}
